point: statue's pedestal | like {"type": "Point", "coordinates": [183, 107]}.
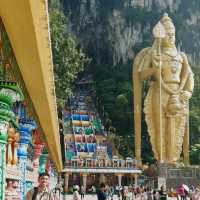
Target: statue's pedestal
{"type": "Point", "coordinates": [172, 176]}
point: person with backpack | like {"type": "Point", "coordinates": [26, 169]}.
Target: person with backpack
{"type": "Point", "coordinates": [42, 191]}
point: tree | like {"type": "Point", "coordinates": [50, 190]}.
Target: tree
{"type": "Point", "coordinates": [68, 59]}
{"type": "Point", "coordinates": [194, 154]}
{"type": "Point", "coordinates": [121, 102]}
{"type": "Point", "coordinates": [195, 119]}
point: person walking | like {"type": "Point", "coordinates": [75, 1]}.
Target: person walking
{"type": "Point", "coordinates": [162, 193]}
{"type": "Point", "coordinates": [117, 188]}
{"type": "Point", "coordinates": [112, 191]}
{"type": "Point", "coordinates": [107, 192]}
{"type": "Point", "coordinates": [196, 194]}
{"type": "Point", "coordinates": [58, 190]}
{"type": "Point", "coordinates": [182, 193]}
{"type": "Point", "coordinates": [42, 191]}
{"type": "Point", "coordinates": [82, 192]}
{"type": "Point", "coordinates": [101, 195]}
{"type": "Point", "coordinates": [149, 194]}
{"type": "Point", "coordinates": [76, 195]}
{"type": "Point", "coordinates": [155, 194]}
{"type": "Point", "coordinates": [125, 193]}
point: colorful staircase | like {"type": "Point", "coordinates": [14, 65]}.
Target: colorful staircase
{"type": "Point", "coordinates": [83, 130]}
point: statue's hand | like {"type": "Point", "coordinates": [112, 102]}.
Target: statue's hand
{"type": "Point", "coordinates": [185, 96]}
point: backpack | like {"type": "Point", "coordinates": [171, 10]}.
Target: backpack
{"type": "Point", "coordinates": [35, 193]}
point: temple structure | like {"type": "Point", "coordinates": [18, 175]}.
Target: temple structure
{"type": "Point", "coordinates": [89, 154]}
{"type": "Point", "coordinates": [28, 112]}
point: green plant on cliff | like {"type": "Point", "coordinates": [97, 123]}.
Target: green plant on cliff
{"type": "Point", "coordinates": [195, 119]}
{"type": "Point", "coordinates": [194, 154]}
{"type": "Point", "coordinates": [68, 58]}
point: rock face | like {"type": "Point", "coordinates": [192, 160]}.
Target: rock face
{"type": "Point", "coordinates": [172, 5]}
{"type": "Point", "coordinates": [112, 31]}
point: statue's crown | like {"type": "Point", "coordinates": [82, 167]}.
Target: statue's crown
{"type": "Point", "coordinates": [167, 22]}
{"type": "Point", "coordinates": [165, 18]}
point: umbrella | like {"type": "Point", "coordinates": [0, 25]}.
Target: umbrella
{"type": "Point", "coordinates": [186, 188]}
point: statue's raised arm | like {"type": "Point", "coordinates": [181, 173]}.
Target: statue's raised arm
{"type": "Point", "coordinates": [170, 88]}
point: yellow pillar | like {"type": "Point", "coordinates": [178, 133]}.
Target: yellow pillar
{"type": "Point", "coordinates": [136, 180]}
{"type": "Point", "coordinates": [119, 176]}
{"type": "Point", "coordinates": [102, 178]}
{"type": "Point", "coordinates": [66, 182]}
{"type": "Point", "coordinates": [84, 181]}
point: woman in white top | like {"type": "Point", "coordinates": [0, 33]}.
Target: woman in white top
{"type": "Point", "coordinates": [76, 195]}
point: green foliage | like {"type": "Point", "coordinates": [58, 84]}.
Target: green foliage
{"type": "Point", "coordinates": [194, 154]}
{"type": "Point", "coordinates": [68, 59]}
{"type": "Point", "coordinates": [124, 145]}
{"type": "Point", "coordinates": [54, 4]}
{"type": "Point", "coordinates": [121, 102]}
{"type": "Point", "coordinates": [195, 119]}
{"type": "Point", "coordinates": [114, 90]}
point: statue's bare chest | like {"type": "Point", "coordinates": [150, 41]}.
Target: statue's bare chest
{"type": "Point", "coordinates": [171, 68]}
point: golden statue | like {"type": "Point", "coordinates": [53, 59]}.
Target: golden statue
{"type": "Point", "coordinates": [166, 104]}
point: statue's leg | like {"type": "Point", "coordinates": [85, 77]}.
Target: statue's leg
{"type": "Point", "coordinates": [171, 136]}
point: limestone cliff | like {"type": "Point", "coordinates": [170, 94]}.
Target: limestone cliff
{"type": "Point", "coordinates": [112, 31]}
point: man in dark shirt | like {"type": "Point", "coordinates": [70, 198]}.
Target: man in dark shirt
{"type": "Point", "coordinates": [162, 193]}
{"type": "Point", "coordinates": [41, 192]}
{"type": "Point", "coordinates": [101, 195]}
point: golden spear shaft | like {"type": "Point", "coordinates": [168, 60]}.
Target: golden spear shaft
{"type": "Point", "coordinates": [159, 34]}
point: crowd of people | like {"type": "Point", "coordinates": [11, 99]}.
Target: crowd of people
{"type": "Point", "coordinates": [106, 192]}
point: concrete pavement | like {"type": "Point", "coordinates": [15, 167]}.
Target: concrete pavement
{"type": "Point", "coordinates": [94, 197]}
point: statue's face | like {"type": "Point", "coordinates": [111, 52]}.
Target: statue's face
{"type": "Point", "coordinates": [169, 40]}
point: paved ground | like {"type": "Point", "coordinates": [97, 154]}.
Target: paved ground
{"type": "Point", "coordinates": [94, 197]}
